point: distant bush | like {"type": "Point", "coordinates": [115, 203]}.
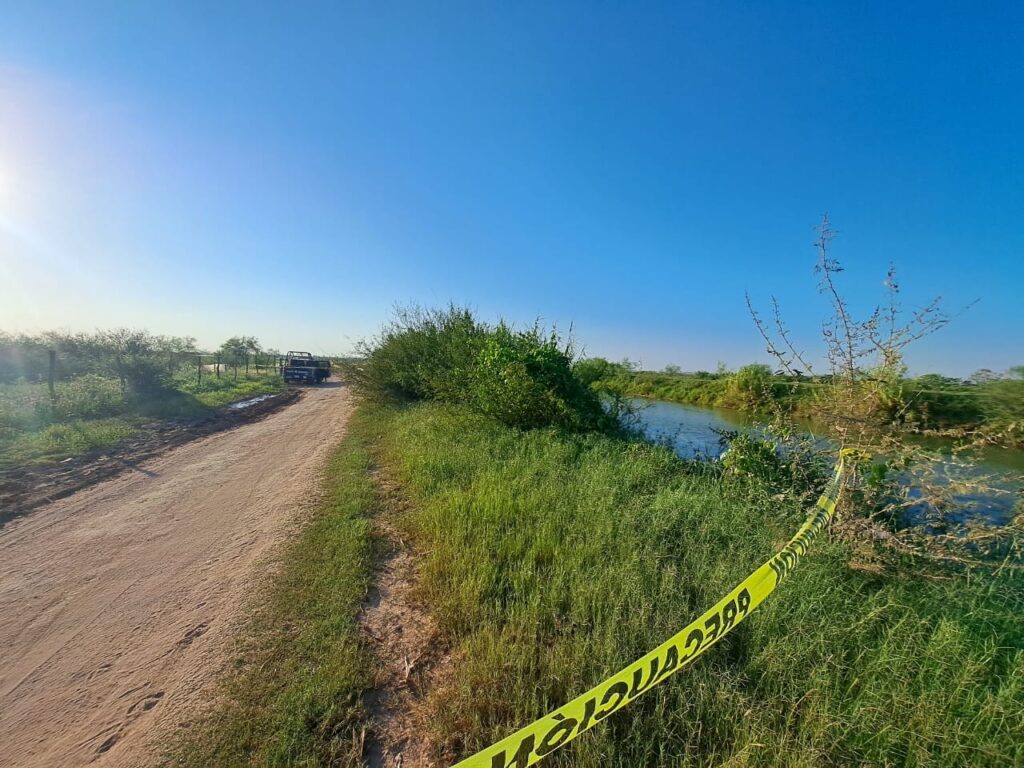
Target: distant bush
{"type": "Point", "coordinates": [592, 370]}
{"type": "Point", "coordinates": [751, 387]}
{"type": "Point", "coordinates": [524, 378]}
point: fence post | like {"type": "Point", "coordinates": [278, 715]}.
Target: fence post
{"type": "Point", "coordinates": [247, 365]}
{"type": "Point", "coordinates": [53, 371]}
{"type": "Point", "coordinates": [236, 367]}
{"type": "Point", "coordinates": [199, 370]}
{"type": "Point", "coordinates": [217, 365]}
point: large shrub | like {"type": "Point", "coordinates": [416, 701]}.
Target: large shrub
{"type": "Point", "coordinates": [422, 355]}
{"type": "Point", "coordinates": [751, 387]}
{"type": "Point", "coordinates": [525, 379]}
{"type": "Point", "coordinates": [521, 378]}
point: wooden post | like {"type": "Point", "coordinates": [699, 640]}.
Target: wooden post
{"type": "Point", "coordinates": [217, 365]}
{"type": "Point", "coordinates": [199, 370]}
{"type": "Point", "coordinates": [53, 372]}
{"type": "Point", "coordinates": [247, 365]}
{"type": "Point", "coordinates": [236, 367]}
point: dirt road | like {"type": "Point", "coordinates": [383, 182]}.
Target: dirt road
{"type": "Point", "coordinates": [117, 603]}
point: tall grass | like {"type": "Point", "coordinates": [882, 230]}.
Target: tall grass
{"type": "Point", "coordinates": [552, 560]}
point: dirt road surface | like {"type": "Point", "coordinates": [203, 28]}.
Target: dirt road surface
{"type": "Point", "coordinates": [117, 604]}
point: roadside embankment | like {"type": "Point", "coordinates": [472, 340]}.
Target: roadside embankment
{"type": "Point", "coordinates": [548, 560]}
{"type": "Point", "coordinates": [40, 425]}
{"type": "Point", "coordinates": [553, 560]}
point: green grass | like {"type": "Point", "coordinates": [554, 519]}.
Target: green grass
{"type": "Point", "coordinates": [214, 392]}
{"type": "Point", "coordinates": [59, 441]}
{"type": "Point", "coordinates": [295, 695]}
{"type": "Point", "coordinates": [90, 412]}
{"type": "Point", "coordinates": [553, 561]}
{"type": "Point", "coordinates": [676, 388]}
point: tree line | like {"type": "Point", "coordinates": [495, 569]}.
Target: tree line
{"type": "Point", "coordinates": [139, 360]}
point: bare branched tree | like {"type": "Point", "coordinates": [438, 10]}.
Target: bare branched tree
{"type": "Point", "coordinates": [863, 403]}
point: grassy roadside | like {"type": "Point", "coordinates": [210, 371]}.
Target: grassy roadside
{"type": "Point", "coordinates": [553, 560]}
{"type": "Point", "coordinates": [91, 412]}
{"type": "Point", "coordinates": [214, 392]}
{"type": "Point", "coordinates": [295, 695]}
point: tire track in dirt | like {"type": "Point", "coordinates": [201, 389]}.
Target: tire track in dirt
{"type": "Point", "coordinates": [119, 602]}
{"type": "Point", "coordinates": [411, 656]}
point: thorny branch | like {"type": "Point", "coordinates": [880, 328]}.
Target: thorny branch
{"type": "Point", "coordinates": [862, 403]}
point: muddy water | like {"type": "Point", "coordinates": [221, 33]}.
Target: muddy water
{"type": "Point", "coordinates": [694, 431]}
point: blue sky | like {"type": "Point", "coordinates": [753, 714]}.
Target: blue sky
{"type": "Point", "coordinates": [294, 170]}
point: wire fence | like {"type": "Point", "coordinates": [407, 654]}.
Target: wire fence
{"type": "Point", "coordinates": [218, 363]}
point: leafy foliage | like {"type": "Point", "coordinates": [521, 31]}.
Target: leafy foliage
{"type": "Point", "coordinates": [751, 387]}
{"type": "Point", "coordinates": [238, 347]}
{"type": "Point", "coordinates": [524, 379]}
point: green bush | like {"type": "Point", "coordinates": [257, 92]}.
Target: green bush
{"type": "Point", "coordinates": [595, 370]}
{"type": "Point", "coordinates": [526, 380]}
{"type": "Point", "coordinates": [751, 387]}
{"type": "Point", "coordinates": [422, 355]}
{"type": "Point", "coordinates": [754, 457]}
{"type": "Point", "coordinates": [523, 379]}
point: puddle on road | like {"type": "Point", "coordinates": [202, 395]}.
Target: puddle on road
{"type": "Point", "coordinates": [246, 403]}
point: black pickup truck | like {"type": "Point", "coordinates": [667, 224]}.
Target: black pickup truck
{"type": "Point", "coordinates": [302, 367]}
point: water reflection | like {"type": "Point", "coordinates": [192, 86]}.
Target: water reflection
{"type": "Point", "coordinates": [694, 432]}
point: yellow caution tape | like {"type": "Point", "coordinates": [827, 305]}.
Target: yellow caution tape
{"type": "Point", "coordinates": [542, 737]}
